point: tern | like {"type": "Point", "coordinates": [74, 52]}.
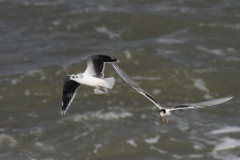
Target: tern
{"type": "Point", "coordinates": [93, 76]}
{"type": "Point", "coordinates": [167, 111]}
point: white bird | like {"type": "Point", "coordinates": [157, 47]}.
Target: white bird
{"type": "Point", "coordinates": [167, 111]}
{"type": "Point", "coordinates": [93, 76]}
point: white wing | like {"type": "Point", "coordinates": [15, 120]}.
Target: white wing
{"type": "Point", "coordinates": [202, 104]}
{"type": "Point", "coordinates": [134, 85]}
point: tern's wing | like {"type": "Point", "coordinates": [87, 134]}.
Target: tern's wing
{"type": "Point", "coordinates": [202, 104]}
{"type": "Point", "coordinates": [69, 91]}
{"type": "Point", "coordinates": [134, 85]}
{"type": "Point", "coordinates": [96, 65]}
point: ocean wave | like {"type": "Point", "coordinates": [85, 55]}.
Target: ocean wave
{"type": "Point", "coordinates": [152, 140]}
{"type": "Point", "coordinates": [132, 142]}
{"type": "Point", "coordinates": [44, 147]}
{"type": "Point", "coordinates": [226, 143]}
{"type": "Point", "coordinates": [170, 41]}
{"type": "Point", "coordinates": [99, 115]}
{"type": "Point", "coordinates": [146, 78]}
{"type": "Point", "coordinates": [228, 129]}
{"type": "Point", "coordinates": [6, 140]}
{"type": "Point", "coordinates": [217, 52]}
{"type": "Point", "coordinates": [223, 25]}
{"type": "Point", "coordinates": [106, 31]}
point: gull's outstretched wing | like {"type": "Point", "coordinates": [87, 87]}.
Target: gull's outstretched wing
{"type": "Point", "coordinates": [202, 104]}
{"type": "Point", "coordinates": [134, 85]}
{"type": "Point", "coordinates": [96, 65]}
{"type": "Point", "coordinates": [69, 91]}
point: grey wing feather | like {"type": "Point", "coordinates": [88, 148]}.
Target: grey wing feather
{"type": "Point", "coordinates": [202, 104]}
{"type": "Point", "coordinates": [134, 84]}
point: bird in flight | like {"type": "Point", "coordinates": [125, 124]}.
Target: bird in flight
{"type": "Point", "coordinates": [167, 111]}
{"type": "Point", "coordinates": [93, 76]}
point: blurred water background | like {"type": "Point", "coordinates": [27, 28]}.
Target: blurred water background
{"type": "Point", "coordinates": [179, 51]}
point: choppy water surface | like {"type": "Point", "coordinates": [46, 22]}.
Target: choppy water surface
{"type": "Point", "coordinates": [179, 51]}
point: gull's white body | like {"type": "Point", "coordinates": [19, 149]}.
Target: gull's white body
{"type": "Point", "coordinates": [93, 76]}
{"type": "Point", "coordinates": [94, 81]}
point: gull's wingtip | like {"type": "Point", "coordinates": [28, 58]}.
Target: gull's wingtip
{"type": "Point", "coordinates": [63, 113]}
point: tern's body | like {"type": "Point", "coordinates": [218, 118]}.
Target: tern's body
{"type": "Point", "coordinates": [167, 111]}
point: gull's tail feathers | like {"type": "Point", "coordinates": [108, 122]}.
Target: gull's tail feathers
{"type": "Point", "coordinates": [110, 82]}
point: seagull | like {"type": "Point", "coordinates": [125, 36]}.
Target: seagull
{"type": "Point", "coordinates": [167, 111]}
{"type": "Point", "coordinates": [93, 76]}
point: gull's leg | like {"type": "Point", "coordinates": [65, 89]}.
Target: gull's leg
{"type": "Point", "coordinates": [162, 119]}
{"type": "Point", "coordinates": [167, 120]}
{"type": "Point", "coordinates": [101, 89]}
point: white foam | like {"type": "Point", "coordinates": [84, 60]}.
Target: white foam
{"type": "Point", "coordinates": [159, 150]}
{"type": "Point", "coordinates": [200, 84]}
{"type": "Point", "coordinates": [127, 54]}
{"type": "Point", "coordinates": [177, 156]}
{"type": "Point", "coordinates": [7, 140]}
{"type": "Point", "coordinates": [146, 78]}
{"type": "Point", "coordinates": [156, 91]}
{"type": "Point", "coordinates": [131, 142]}
{"type": "Point", "coordinates": [96, 148]}
{"type": "Point", "coordinates": [208, 96]}
{"type": "Point", "coordinates": [80, 135]}
{"type": "Point", "coordinates": [198, 146]}
{"type": "Point", "coordinates": [224, 25]}
{"type": "Point", "coordinates": [42, 4]}
{"type": "Point", "coordinates": [56, 23]}
{"type": "Point", "coordinates": [234, 59]}
{"type": "Point", "coordinates": [37, 132]}
{"type": "Point", "coordinates": [225, 130]}
{"type": "Point", "coordinates": [32, 115]}
{"type": "Point", "coordinates": [15, 81]}
{"type": "Point", "coordinates": [161, 51]}
{"type": "Point", "coordinates": [152, 140]}
{"type": "Point", "coordinates": [110, 34]}
{"type": "Point", "coordinates": [170, 41]}
{"type": "Point", "coordinates": [183, 126]}
{"type": "Point", "coordinates": [143, 116]}
{"type": "Point", "coordinates": [217, 52]}
{"type": "Point", "coordinates": [195, 156]}
{"type": "Point", "coordinates": [44, 147]}
{"type": "Point", "coordinates": [27, 92]}
{"type": "Point", "coordinates": [88, 116]}
{"type": "Point", "coordinates": [33, 72]}
{"type": "Point", "coordinates": [226, 143]}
